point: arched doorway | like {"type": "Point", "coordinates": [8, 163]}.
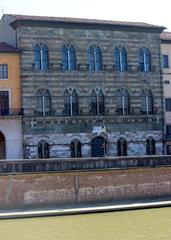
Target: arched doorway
{"type": "Point", "coordinates": [98, 147]}
{"type": "Point", "coordinates": [2, 146]}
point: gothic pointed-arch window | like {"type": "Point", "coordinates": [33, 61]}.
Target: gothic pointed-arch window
{"type": "Point", "coordinates": [146, 102]}
{"type": "Point", "coordinates": [43, 150]}
{"type": "Point", "coordinates": [123, 59]}
{"type": "Point", "coordinates": [122, 147]}
{"type": "Point", "coordinates": [75, 147]}
{"type": "Point", "coordinates": [150, 146]}
{"type": "Point", "coordinates": [68, 57]}
{"type": "Point", "coordinates": [43, 102]}
{"type": "Point", "coordinates": [122, 102]}
{"type": "Point", "coordinates": [71, 103]}
{"type": "Point", "coordinates": [97, 103]}
{"type": "Point", "coordinates": [41, 57]}
{"type": "Point", "coordinates": [144, 60]}
{"type": "Point", "coordinates": [94, 58]}
{"type": "Point", "coordinates": [120, 59]}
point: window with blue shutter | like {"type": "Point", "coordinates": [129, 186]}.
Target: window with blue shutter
{"type": "Point", "coordinates": [117, 59]}
{"type": "Point", "coordinates": [43, 102]}
{"type": "Point", "coordinates": [91, 60]}
{"type": "Point", "coordinates": [37, 57]}
{"type": "Point", "coordinates": [98, 58]}
{"type": "Point", "coordinates": [64, 58]}
{"type": "Point", "coordinates": [141, 59]}
{"type": "Point", "coordinates": [144, 60]}
{"type": "Point", "coordinates": [123, 59]}
{"type": "Point", "coordinates": [45, 60]}
{"type": "Point", "coordinates": [165, 61]}
{"type": "Point", "coordinates": [71, 58]}
{"type": "Point", "coordinates": [147, 60]}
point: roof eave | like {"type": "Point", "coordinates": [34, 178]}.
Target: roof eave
{"type": "Point", "coordinates": [21, 22]}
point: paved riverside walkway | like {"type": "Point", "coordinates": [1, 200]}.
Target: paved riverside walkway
{"type": "Point", "coordinates": [84, 209]}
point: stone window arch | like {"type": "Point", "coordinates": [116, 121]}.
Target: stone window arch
{"type": "Point", "coordinates": [95, 58]}
{"type": "Point", "coordinates": [144, 60]}
{"type": "Point", "coordinates": [71, 103]}
{"type": "Point", "coordinates": [68, 57]}
{"type": "Point", "coordinates": [97, 103]}
{"type": "Point", "coordinates": [75, 148]}
{"type": "Point", "coordinates": [122, 147]}
{"type": "Point", "coordinates": [122, 102]}
{"type": "Point", "coordinates": [120, 59]}
{"type": "Point", "coordinates": [41, 57]}
{"type": "Point", "coordinates": [146, 102]}
{"type": "Point", "coordinates": [150, 146]}
{"type": "Point", "coordinates": [43, 149]}
{"type": "Point", "coordinates": [43, 102]}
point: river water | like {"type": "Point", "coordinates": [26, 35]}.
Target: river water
{"type": "Point", "coordinates": [148, 224]}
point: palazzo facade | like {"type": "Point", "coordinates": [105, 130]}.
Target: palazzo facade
{"type": "Point", "coordinates": [89, 87]}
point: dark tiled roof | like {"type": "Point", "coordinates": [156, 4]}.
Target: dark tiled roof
{"type": "Point", "coordinates": [82, 21]}
{"type": "Point", "coordinates": [6, 48]}
{"type": "Point", "coordinates": [165, 36]}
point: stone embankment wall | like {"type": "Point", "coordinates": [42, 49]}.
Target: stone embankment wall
{"type": "Point", "coordinates": [56, 189]}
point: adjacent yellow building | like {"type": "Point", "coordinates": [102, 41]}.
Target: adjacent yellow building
{"type": "Point", "coordinates": [10, 103]}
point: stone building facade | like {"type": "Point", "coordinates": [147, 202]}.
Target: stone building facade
{"type": "Point", "coordinates": [166, 70]}
{"type": "Point", "coordinates": [89, 87]}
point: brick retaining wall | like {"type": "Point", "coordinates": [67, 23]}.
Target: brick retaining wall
{"type": "Point", "coordinates": [56, 189]}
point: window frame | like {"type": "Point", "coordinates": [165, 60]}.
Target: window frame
{"type": "Point", "coordinates": [150, 146]}
{"type": "Point", "coordinates": [97, 102]}
{"type": "Point", "coordinates": [5, 104]}
{"type": "Point", "coordinates": [43, 150]}
{"type": "Point", "coordinates": [4, 71]}
{"type": "Point", "coordinates": [43, 102]}
{"type": "Point", "coordinates": [71, 103]}
{"type": "Point", "coordinates": [144, 59]}
{"type": "Point", "coordinates": [68, 57]}
{"type": "Point", "coordinates": [41, 57]}
{"type": "Point", "coordinates": [94, 58]}
{"type": "Point", "coordinates": [165, 64]}
{"type": "Point", "coordinates": [168, 104]}
{"type": "Point", "coordinates": [123, 102]}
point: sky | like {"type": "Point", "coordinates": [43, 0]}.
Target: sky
{"type": "Point", "coordinates": [149, 11]}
